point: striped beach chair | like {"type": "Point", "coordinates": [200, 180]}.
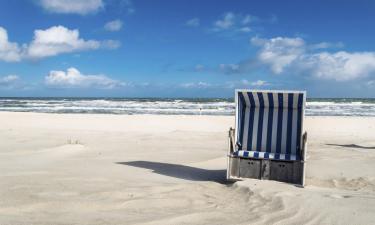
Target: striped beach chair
{"type": "Point", "coordinates": [268, 140]}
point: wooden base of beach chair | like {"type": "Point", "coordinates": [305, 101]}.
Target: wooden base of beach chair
{"type": "Point", "coordinates": [266, 169]}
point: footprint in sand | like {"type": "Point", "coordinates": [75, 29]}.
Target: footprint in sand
{"type": "Point", "coordinates": [336, 196]}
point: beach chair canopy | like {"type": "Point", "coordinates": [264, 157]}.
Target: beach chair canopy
{"type": "Point", "coordinates": [269, 124]}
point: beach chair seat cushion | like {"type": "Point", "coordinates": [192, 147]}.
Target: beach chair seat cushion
{"type": "Point", "coordinates": [265, 155]}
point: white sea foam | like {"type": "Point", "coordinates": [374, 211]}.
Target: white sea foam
{"type": "Point", "coordinates": [329, 107]}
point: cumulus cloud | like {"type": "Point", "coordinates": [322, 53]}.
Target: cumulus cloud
{"type": "Point", "coordinates": [341, 66]}
{"type": "Point", "coordinates": [194, 22]}
{"type": "Point", "coordinates": [279, 52]}
{"type": "Point", "coordinates": [56, 40]}
{"type": "Point", "coordinates": [72, 78]}
{"type": "Point", "coordinates": [81, 7]}
{"type": "Point", "coordinates": [114, 25]}
{"type": "Point", "coordinates": [9, 51]}
{"type": "Point", "coordinates": [50, 42]}
{"type": "Point", "coordinates": [283, 54]}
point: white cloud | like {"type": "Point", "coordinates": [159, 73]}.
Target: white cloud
{"type": "Point", "coordinates": [73, 78]}
{"type": "Point", "coordinates": [242, 67]}
{"type": "Point", "coordinates": [259, 83]}
{"type": "Point", "coordinates": [81, 7]}
{"type": "Point", "coordinates": [294, 55]}
{"type": "Point", "coordinates": [225, 85]}
{"type": "Point", "coordinates": [50, 42]}
{"type": "Point", "coordinates": [8, 79]}
{"type": "Point", "coordinates": [56, 40]}
{"type": "Point", "coordinates": [245, 84]}
{"type": "Point", "coordinates": [279, 52]}
{"type": "Point", "coordinates": [196, 85]}
{"type": "Point", "coordinates": [341, 66]}
{"type": "Point", "coordinates": [9, 51]}
{"type": "Point", "coordinates": [194, 22]}
{"type": "Point", "coordinates": [233, 23]}
{"type": "Point", "coordinates": [9, 82]}
{"type": "Point", "coordinates": [226, 22]}
{"type": "Point", "coordinates": [114, 25]}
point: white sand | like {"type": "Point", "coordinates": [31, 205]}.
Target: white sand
{"type": "Point", "coordinates": [109, 169]}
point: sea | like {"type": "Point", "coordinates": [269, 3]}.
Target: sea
{"type": "Point", "coordinates": [176, 106]}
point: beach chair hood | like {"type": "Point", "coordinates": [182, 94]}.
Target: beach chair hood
{"type": "Point", "coordinates": [269, 123]}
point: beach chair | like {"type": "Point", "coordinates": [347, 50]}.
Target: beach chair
{"type": "Point", "coordinates": [268, 140]}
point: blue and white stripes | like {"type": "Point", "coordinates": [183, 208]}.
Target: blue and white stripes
{"type": "Point", "coordinates": [265, 155]}
{"type": "Point", "coordinates": [270, 122]}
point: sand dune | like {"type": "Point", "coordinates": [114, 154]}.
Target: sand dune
{"type": "Point", "coordinates": [111, 169]}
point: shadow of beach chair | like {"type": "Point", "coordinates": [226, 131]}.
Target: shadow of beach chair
{"type": "Point", "coordinates": [268, 141]}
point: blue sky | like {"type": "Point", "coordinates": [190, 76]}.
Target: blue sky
{"type": "Point", "coordinates": [186, 48]}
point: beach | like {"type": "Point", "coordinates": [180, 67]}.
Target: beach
{"type": "Point", "coordinates": [170, 169]}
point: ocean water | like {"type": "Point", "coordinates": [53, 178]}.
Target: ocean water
{"type": "Point", "coordinates": [183, 106]}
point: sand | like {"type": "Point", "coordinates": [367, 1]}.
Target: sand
{"type": "Point", "coordinates": [148, 169]}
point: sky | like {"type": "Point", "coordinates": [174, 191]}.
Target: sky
{"type": "Point", "coordinates": [186, 48]}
